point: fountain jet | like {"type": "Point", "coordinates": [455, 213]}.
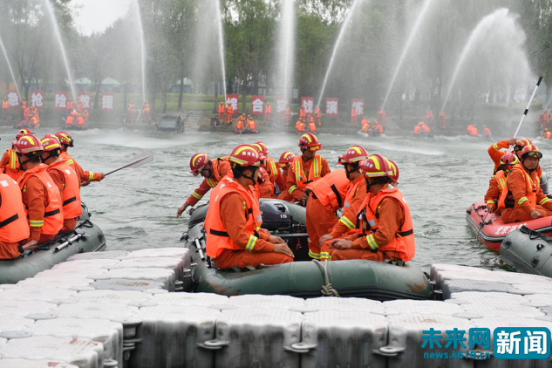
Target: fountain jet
{"type": "Point", "coordinates": [10, 67]}
{"type": "Point", "coordinates": [221, 46]}
{"type": "Point", "coordinates": [286, 46]}
{"type": "Point", "coordinates": [142, 47]}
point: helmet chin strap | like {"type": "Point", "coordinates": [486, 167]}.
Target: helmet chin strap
{"type": "Point", "coordinates": [21, 163]}
{"type": "Point", "coordinates": [252, 178]}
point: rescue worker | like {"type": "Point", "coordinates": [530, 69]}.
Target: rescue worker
{"type": "Point", "coordinates": [385, 222]}
{"type": "Point", "coordinates": [70, 106]}
{"type": "Point", "coordinates": [288, 115]}
{"type": "Point", "coordinates": [549, 126]}
{"type": "Point", "coordinates": [365, 126]}
{"type": "Point", "coordinates": [300, 126]}
{"type": "Point", "coordinates": [14, 228]}
{"type": "Point", "coordinates": [270, 165]}
{"type": "Point", "coordinates": [421, 130]}
{"type": "Point", "coordinates": [10, 164]}
{"type": "Point", "coordinates": [354, 116]}
{"type": "Point", "coordinates": [66, 180]}
{"type": "Point", "coordinates": [212, 172]}
{"type": "Point", "coordinates": [40, 195]}
{"type": "Point", "coordinates": [381, 117]}
{"type": "Point", "coordinates": [377, 129]}
{"type": "Point", "coordinates": [524, 183]}
{"type": "Point", "coordinates": [302, 113]}
{"type": "Point", "coordinates": [486, 132]}
{"type": "Point", "coordinates": [5, 107]}
{"type": "Point", "coordinates": [284, 163]}
{"type": "Point", "coordinates": [268, 112]}
{"type": "Point", "coordinates": [146, 109]}
{"type": "Point", "coordinates": [429, 116]}
{"type": "Point", "coordinates": [311, 124]}
{"type": "Point", "coordinates": [471, 131]}
{"type": "Point", "coordinates": [442, 120]}
{"type": "Point", "coordinates": [250, 124]}
{"type": "Point", "coordinates": [233, 221]}
{"type": "Point", "coordinates": [547, 134]}
{"type": "Point", "coordinates": [86, 177]}
{"type": "Point", "coordinates": [23, 105]}
{"type": "Point", "coordinates": [80, 106]}
{"type": "Point", "coordinates": [72, 118]}
{"type": "Point", "coordinates": [317, 115]}
{"type": "Point", "coordinates": [81, 122]}
{"type": "Point", "coordinates": [264, 187]}
{"type": "Point", "coordinates": [229, 113]}
{"type": "Point", "coordinates": [240, 124]}
{"type": "Point", "coordinates": [27, 114]}
{"type": "Point", "coordinates": [327, 196]}
{"type": "Point", "coordinates": [131, 110]}
{"type": "Point", "coordinates": [498, 196]}
{"type": "Point", "coordinates": [221, 111]}
{"type": "Point", "coordinates": [543, 118]}
{"type": "Point", "coordinates": [307, 168]}
{"type": "Point", "coordinates": [496, 153]}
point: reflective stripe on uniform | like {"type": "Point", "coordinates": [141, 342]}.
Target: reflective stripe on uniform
{"type": "Point", "coordinates": [544, 200]}
{"type": "Point", "coordinates": [13, 160]}
{"type": "Point", "coordinates": [495, 146]}
{"type": "Point", "coordinates": [347, 222]}
{"type": "Point", "coordinates": [90, 176]}
{"type": "Point", "coordinates": [211, 183]}
{"type": "Point", "coordinates": [196, 195]}
{"type": "Point", "coordinates": [371, 242]}
{"type": "Point", "coordinates": [292, 189]}
{"type": "Point", "coordinates": [36, 223]}
{"type": "Point", "coordinates": [490, 201]}
{"type": "Point", "coordinates": [314, 255]}
{"type": "Point", "coordinates": [70, 162]}
{"type": "Point", "coordinates": [251, 243]}
{"type": "Point", "coordinates": [523, 199]}
{"type": "Point", "coordinates": [325, 255]}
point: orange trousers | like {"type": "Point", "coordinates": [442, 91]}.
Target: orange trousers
{"type": "Point", "coordinates": [320, 221]}
{"type": "Point", "coordinates": [510, 215]}
{"type": "Point", "coordinates": [9, 250]}
{"type": "Point", "coordinates": [242, 258]}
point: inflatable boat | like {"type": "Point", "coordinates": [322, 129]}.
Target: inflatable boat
{"type": "Point", "coordinates": [303, 277]}
{"type": "Point", "coordinates": [528, 251]}
{"type": "Point", "coordinates": [491, 231]}
{"type": "Point", "coordinates": [86, 237]}
{"type": "Point", "coordinates": [169, 123]}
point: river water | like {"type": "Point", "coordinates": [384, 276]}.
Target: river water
{"type": "Point", "coordinates": [136, 208]}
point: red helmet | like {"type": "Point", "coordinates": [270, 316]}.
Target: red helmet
{"type": "Point", "coordinates": [376, 166]}
{"type": "Point", "coordinates": [522, 143]}
{"type": "Point", "coordinates": [49, 135]}
{"type": "Point", "coordinates": [530, 150]}
{"type": "Point", "coordinates": [286, 158]}
{"type": "Point", "coordinates": [246, 155]}
{"type": "Point", "coordinates": [395, 170]}
{"type": "Point", "coordinates": [198, 162]}
{"type": "Point", "coordinates": [355, 153]}
{"type": "Point", "coordinates": [50, 144]}
{"type": "Point", "coordinates": [65, 138]}
{"type": "Point", "coordinates": [22, 132]}
{"type": "Point", "coordinates": [309, 141]}
{"type": "Point", "coordinates": [509, 159]}
{"type": "Point", "coordinates": [263, 147]}
{"type": "Point", "coordinates": [27, 144]}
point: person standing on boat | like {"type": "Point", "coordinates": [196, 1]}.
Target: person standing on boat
{"type": "Point", "coordinates": [524, 182]}
{"type": "Point", "coordinates": [86, 177]}
{"type": "Point", "coordinates": [385, 223]}
{"type": "Point", "coordinates": [284, 163]}
{"type": "Point", "coordinates": [307, 168]}
{"type": "Point", "coordinates": [66, 180]}
{"type": "Point", "coordinates": [333, 192]}
{"type": "Point", "coordinates": [40, 194]}
{"type": "Point", "coordinates": [14, 228]}
{"type": "Point", "coordinates": [496, 150]}
{"type": "Point", "coordinates": [498, 196]}
{"type": "Point", "coordinates": [211, 171]}
{"type": "Point", "coordinates": [9, 164]}
{"type": "Point", "coordinates": [233, 221]}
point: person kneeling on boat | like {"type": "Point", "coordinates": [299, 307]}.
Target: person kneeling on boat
{"type": "Point", "coordinates": [40, 194]}
{"type": "Point", "coordinates": [233, 221]}
{"type": "Point", "coordinates": [498, 196]}
{"type": "Point", "coordinates": [251, 125]}
{"type": "Point", "coordinates": [14, 228]}
{"type": "Point", "coordinates": [211, 171]}
{"type": "Point", "coordinates": [329, 194]}
{"type": "Point", "coordinates": [66, 180]}
{"type": "Point", "coordinates": [524, 183]}
{"type": "Point", "coordinates": [384, 223]}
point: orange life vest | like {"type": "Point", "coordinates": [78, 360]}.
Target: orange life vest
{"type": "Point", "coordinates": [5, 105]}
{"type": "Point", "coordinates": [53, 215]}
{"type": "Point", "coordinates": [251, 124]}
{"type": "Point", "coordinates": [268, 109]}
{"type": "Point", "coordinates": [221, 108]}
{"type": "Point", "coordinates": [354, 113]}
{"type": "Point", "coordinates": [331, 189]}
{"type": "Point", "coordinates": [13, 220]}
{"type": "Point", "coordinates": [532, 184]}
{"type": "Point", "coordinates": [12, 169]}
{"type": "Point", "coordinates": [272, 168]}
{"type": "Point", "coordinates": [216, 177]}
{"type": "Point", "coordinates": [505, 198]}
{"type": "Point", "coordinates": [302, 113]}
{"type": "Point", "coordinates": [70, 105]}
{"type": "Point", "coordinates": [417, 129]}
{"type": "Point", "coordinates": [71, 192]}
{"type": "Point", "coordinates": [403, 243]}
{"type": "Point", "coordinates": [217, 236]}
{"type": "Point", "coordinates": [301, 180]}
{"type": "Point", "coordinates": [548, 134]}
{"type": "Point", "coordinates": [352, 192]}
{"type": "Point", "coordinates": [300, 126]}
{"type": "Point", "coordinates": [312, 127]}
{"type": "Point", "coordinates": [378, 128]}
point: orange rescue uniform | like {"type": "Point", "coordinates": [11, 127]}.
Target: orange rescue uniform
{"type": "Point", "coordinates": [13, 221]}
{"type": "Point", "coordinates": [85, 176]}
{"type": "Point", "coordinates": [303, 173]}
{"type": "Point", "coordinates": [221, 168]}
{"type": "Point", "coordinates": [10, 164]}
{"type": "Point", "coordinates": [68, 184]}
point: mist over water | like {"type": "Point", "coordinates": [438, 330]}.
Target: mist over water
{"type": "Point", "coordinates": [14, 80]}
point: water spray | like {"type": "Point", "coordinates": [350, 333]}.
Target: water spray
{"type": "Point", "coordinates": [221, 46]}
{"type": "Point", "coordinates": [142, 48]}
{"type": "Point", "coordinates": [10, 67]}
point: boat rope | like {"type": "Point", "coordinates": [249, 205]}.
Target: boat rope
{"type": "Point", "coordinates": [327, 290]}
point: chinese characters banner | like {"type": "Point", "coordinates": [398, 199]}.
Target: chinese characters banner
{"type": "Point", "coordinates": [280, 105]}
{"type": "Point", "coordinates": [108, 100]}
{"type": "Point", "coordinates": [84, 98]}
{"type": "Point", "coordinates": [308, 104]}
{"type": "Point", "coordinates": [358, 103]}
{"type": "Point", "coordinates": [332, 107]}
{"type": "Point", "coordinates": [257, 105]}
{"type": "Point", "coordinates": [37, 98]}
{"type": "Point", "coordinates": [60, 100]}
{"type": "Point", "coordinates": [13, 98]}
{"type": "Point", "coordinates": [235, 101]}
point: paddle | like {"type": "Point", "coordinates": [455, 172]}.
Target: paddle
{"type": "Point", "coordinates": [525, 112]}
{"type": "Point", "coordinates": [136, 161]}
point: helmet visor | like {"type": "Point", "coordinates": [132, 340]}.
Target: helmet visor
{"type": "Point", "coordinates": [536, 154]}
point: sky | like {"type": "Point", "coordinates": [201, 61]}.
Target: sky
{"type": "Point", "coordinates": [96, 15]}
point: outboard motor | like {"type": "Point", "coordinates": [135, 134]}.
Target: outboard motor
{"type": "Point", "coordinates": [276, 216]}
{"type": "Point", "coordinates": [544, 183]}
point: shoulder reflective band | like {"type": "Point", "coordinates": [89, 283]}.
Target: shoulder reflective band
{"type": "Point", "coordinates": [337, 195]}
{"type": "Point", "coordinates": [70, 200]}
{"type": "Point", "coordinates": [406, 233]}
{"type": "Point", "coordinates": [51, 213]}
{"type": "Point", "coordinates": [218, 233]}
{"type": "Point", "coordinates": [9, 220]}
